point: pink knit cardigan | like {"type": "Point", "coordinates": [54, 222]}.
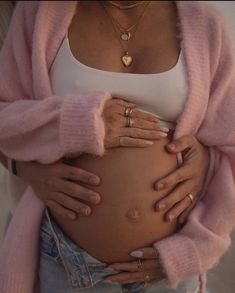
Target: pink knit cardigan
{"type": "Point", "coordinates": [37, 125]}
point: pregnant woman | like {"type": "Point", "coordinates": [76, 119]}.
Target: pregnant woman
{"type": "Point", "coordinates": [60, 107]}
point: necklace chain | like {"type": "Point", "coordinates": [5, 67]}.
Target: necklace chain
{"type": "Point", "coordinates": [125, 7]}
{"type": "Point", "coordinates": [126, 58]}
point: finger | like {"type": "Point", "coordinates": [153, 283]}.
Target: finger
{"type": "Point", "coordinates": [146, 253]}
{"type": "Point", "coordinates": [145, 116]}
{"type": "Point", "coordinates": [60, 210]}
{"type": "Point", "coordinates": [124, 141]}
{"type": "Point", "coordinates": [142, 133]}
{"type": "Point", "coordinates": [178, 209]}
{"type": "Point", "coordinates": [72, 204]}
{"type": "Point", "coordinates": [182, 143]}
{"type": "Point", "coordinates": [175, 196]}
{"type": "Point", "coordinates": [133, 266]}
{"type": "Point", "coordinates": [78, 174]}
{"type": "Point", "coordinates": [144, 124]}
{"type": "Point", "coordinates": [181, 174]}
{"type": "Point", "coordinates": [124, 103]}
{"type": "Point", "coordinates": [78, 191]}
{"type": "Point", "coordinates": [183, 217]}
{"type": "Point", "coordinates": [137, 114]}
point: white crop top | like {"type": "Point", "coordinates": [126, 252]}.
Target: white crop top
{"type": "Point", "coordinates": [162, 94]}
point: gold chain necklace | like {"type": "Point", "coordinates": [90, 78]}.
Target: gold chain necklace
{"type": "Point", "coordinates": [126, 58]}
{"type": "Point", "coordinates": [123, 7]}
{"type": "Point", "coordinates": [125, 32]}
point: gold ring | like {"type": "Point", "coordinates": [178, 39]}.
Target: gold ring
{"type": "Point", "coordinates": [146, 281]}
{"type": "Point", "coordinates": [129, 122]}
{"type": "Point", "coordinates": [190, 195]}
{"type": "Point", "coordinates": [128, 111]}
{"type": "Point", "coordinates": [140, 264]}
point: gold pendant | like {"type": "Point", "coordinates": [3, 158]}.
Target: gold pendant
{"type": "Point", "coordinates": [126, 59]}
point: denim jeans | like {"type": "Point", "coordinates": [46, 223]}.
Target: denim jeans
{"type": "Point", "coordinates": [67, 268]}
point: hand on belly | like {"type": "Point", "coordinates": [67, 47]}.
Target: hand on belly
{"type": "Point", "coordinates": [126, 219]}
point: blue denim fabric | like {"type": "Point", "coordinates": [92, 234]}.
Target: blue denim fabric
{"type": "Point", "coordinates": [67, 268]}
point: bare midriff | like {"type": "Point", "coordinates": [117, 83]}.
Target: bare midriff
{"type": "Point", "coordinates": [126, 218]}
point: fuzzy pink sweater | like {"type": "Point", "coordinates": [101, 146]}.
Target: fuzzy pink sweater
{"type": "Point", "coordinates": [37, 125]}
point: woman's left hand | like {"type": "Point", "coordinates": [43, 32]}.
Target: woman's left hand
{"type": "Point", "coordinates": [149, 272]}
{"type": "Point", "coordinates": [190, 178]}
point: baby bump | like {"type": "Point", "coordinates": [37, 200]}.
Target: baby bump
{"type": "Point", "coordinates": [126, 219]}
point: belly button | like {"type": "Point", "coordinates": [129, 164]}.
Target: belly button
{"type": "Point", "coordinates": [133, 215]}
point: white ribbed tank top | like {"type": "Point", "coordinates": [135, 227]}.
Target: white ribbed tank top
{"type": "Point", "coordinates": [162, 94]}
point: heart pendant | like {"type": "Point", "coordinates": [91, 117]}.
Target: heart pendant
{"type": "Point", "coordinates": [126, 59]}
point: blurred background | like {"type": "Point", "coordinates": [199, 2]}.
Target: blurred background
{"type": "Point", "coordinates": [221, 279]}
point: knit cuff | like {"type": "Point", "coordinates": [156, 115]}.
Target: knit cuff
{"type": "Point", "coordinates": [179, 258]}
{"type": "Point", "coordinates": [82, 128]}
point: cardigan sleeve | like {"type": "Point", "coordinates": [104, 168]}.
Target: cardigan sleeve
{"type": "Point", "coordinates": [201, 242]}
{"type": "Point", "coordinates": [42, 129]}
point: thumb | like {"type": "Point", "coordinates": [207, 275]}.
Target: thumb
{"type": "Point", "coordinates": [181, 144]}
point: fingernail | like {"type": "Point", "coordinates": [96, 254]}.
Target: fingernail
{"type": "Point", "coordinates": [164, 129]}
{"type": "Point", "coordinates": [136, 253]}
{"type": "Point", "coordinates": [148, 142]}
{"type": "Point", "coordinates": [160, 186]}
{"type": "Point", "coordinates": [161, 206]}
{"type": "Point", "coordinates": [94, 180]}
{"type": "Point", "coordinates": [95, 198]}
{"type": "Point", "coordinates": [163, 134]}
{"type": "Point", "coordinates": [170, 217]}
{"type": "Point", "coordinates": [171, 146]}
{"type": "Point", "coordinates": [86, 211]}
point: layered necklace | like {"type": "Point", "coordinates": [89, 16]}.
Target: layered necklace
{"type": "Point", "coordinates": [124, 35]}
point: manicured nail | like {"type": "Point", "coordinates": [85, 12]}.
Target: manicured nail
{"type": "Point", "coordinates": [136, 253]}
{"type": "Point", "coordinates": [148, 142]}
{"type": "Point", "coordinates": [160, 185]}
{"type": "Point", "coordinates": [163, 134]}
{"type": "Point", "coordinates": [170, 217]}
{"type": "Point", "coordinates": [165, 129]}
{"type": "Point", "coordinates": [86, 211]}
{"type": "Point", "coordinates": [94, 180]}
{"type": "Point", "coordinates": [161, 206]}
{"type": "Point", "coordinates": [95, 198]}
{"type": "Point", "coordinates": [171, 146]}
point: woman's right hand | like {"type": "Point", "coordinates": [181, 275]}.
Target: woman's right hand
{"type": "Point", "coordinates": [145, 129]}
{"type": "Point", "coordinates": [57, 185]}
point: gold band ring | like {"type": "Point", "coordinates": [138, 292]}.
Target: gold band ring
{"type": "Point", "coordinates": [140, 264]}
{"type": "Point", "coordinates": [129, 122]}
{"type": "Point", "coordinates": [128, 111]}
{"type": "Point", "coordinates": [190, 195]}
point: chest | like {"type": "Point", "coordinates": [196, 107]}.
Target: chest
{"type": "Point", "coordinates": [154, 45]}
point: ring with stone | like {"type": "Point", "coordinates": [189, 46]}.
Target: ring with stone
{"type": "Point", "coordinates": [128, 111]}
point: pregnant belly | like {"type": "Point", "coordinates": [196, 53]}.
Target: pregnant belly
{"type": "Point", "coordinates": [126, 219]}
